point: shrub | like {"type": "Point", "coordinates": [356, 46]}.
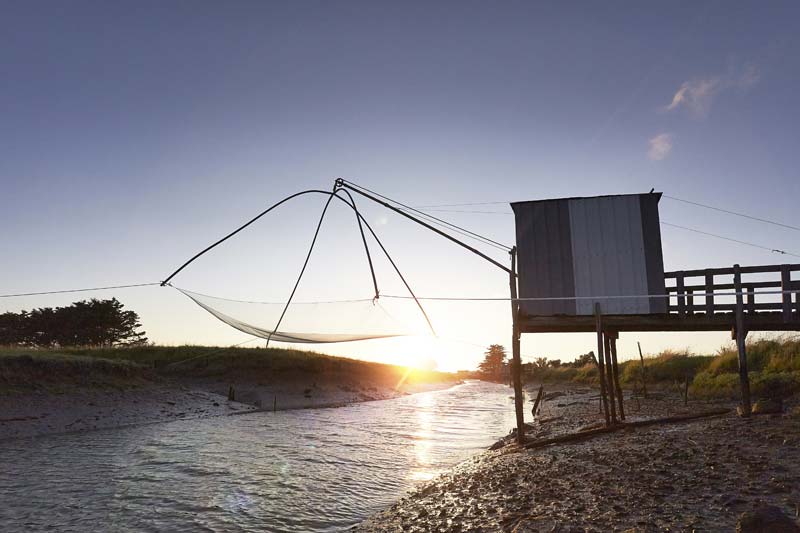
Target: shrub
{"type": "Point", "coordinates": [668, 366]}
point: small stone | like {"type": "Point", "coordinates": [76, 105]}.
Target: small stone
{"type": "Point", "coordinates": [766, 519]}
{"type": "Point", "coordinates": [767, 406]}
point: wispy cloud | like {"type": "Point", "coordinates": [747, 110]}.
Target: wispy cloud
{"type": "Point", "coordinates": [660, 146]}
{"type": "Point", "coordinates": [698, 95]}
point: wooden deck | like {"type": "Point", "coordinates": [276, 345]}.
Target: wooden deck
{"type": "Point", "coordinates": [702, 300]}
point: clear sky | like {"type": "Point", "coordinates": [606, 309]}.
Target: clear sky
{"type": "Point", "coordinates": [135, 133]}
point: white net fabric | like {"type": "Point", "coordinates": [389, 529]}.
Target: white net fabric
{"type": "Point", "coordinates": [311, 323]}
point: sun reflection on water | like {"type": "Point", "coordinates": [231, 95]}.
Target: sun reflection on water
{"type": "Point", "coordinates": [423, 438]}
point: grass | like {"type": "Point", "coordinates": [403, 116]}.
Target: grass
{"type": "Point", "coordinates": [23, 369]}
{"type": "Point", "coordinates": [773, 365]}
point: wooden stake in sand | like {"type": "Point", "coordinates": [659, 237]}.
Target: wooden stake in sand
{"type": "Point", "coordinates": [641, 360]}
{"type": "Point", "coordinates": [538, 400]}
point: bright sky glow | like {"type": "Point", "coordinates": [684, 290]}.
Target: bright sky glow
{"type": "Point", "coordinates": [134, 134]}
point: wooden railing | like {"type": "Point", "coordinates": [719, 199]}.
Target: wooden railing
{"type": "Point", "coordinates": [738, 287]}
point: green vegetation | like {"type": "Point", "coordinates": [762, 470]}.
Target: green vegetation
{"type": "Point", "coordinates": [31, 369]}
{"type": "Point", "coordinates": [773, 365]}
{"type": "Point", "coordinates": [86, 323]}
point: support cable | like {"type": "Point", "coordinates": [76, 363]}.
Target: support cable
{"type": "Point", "coordinates": [394, 265]}
{"type": "Point", "coordinates": [302, 270]}
{"type": "Point", "coordinates": [240, 228]}
{"type": "Point", "coordinates": [363, 239]}
{"type": "Point", "coordinates": [766, 221]}
{"type": "Point", "coordinates": [486, 240]}
{"type": "Point", "coordinates": [342, 183]}
{"type": "Point", "coordinates": [79, 290]}
{"type": "Point", "coordinates": [770, 249]}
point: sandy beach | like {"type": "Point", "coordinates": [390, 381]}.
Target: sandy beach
{"type": "Point", "coordinates": [694, 476]}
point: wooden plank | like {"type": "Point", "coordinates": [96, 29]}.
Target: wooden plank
{"type": "Point", "coordinates": [764, 306]}
{"type": "Point", "coordinates": [588, 434]}
{"type": "Point", "coordinates": [762, 321]}
{"type": "Point", "coordinates": [681, 296]}
{"type": "Point", "coordinates": [786, 298]}
{"type": "Point", "coordinates": [758, 269]}
{"type": "Point", "coordinates": [726, 286]}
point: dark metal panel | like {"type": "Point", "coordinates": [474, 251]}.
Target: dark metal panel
{"type": "Point", "coordinates": [544, 252]}
{"type": "Point", "coordinates": [654, 259]}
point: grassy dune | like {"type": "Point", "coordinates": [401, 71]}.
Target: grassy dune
{"type": "Point", "coordinates": [773, 365]}
{"type": "Point", "coordinates": [26, 369]}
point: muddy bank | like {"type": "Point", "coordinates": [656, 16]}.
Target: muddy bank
{"type": "Point", "coordinates": [46, 394]}
{"type": "Point", "coordinates": [694, 476]}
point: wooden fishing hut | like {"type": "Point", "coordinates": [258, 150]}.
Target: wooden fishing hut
{"type": "Point", "coordinates": [595, 264]}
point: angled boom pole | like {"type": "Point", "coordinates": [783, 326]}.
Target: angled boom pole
{"type": "Point", "coordinates": [341, 184]}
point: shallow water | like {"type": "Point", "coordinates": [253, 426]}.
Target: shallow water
{"type": "Point", "coordinates": [314, 470]}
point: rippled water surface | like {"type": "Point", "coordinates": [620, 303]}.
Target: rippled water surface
{"type": "Point", "coordinates": [310, 470]}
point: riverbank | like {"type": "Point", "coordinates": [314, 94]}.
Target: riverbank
{"type": "Point", "coordinates": [45, 392]}
{"type": "Point", "coordinates": [699, 475]}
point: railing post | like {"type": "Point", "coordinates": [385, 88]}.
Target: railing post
{"type": "Point", "coordinates": [786, 297]}
{"type": "Point", "coordinates": [741, 336]}
{"type": "Point", "coordinates": [751, 299]}
{"type": "Point", "coordinates": [681, 293]}
{"type": "Point", "coordinates": [709, 290]}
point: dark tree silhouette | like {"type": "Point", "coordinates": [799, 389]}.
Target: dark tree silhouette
{"type": "Point", "coordinates": [85, 323]}
{"type": "Point", "coordinates": [493, 362]}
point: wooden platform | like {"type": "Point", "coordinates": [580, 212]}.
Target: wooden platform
{"type": "Point", "coordinates": [704, 305]}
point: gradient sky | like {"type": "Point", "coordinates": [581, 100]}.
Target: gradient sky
{"type": "Point", "coordinates": [134, 134]}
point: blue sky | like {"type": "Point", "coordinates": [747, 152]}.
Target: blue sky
{"type": "Point", "coordinates": [136, 133]}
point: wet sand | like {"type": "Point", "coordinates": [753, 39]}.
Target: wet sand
{"type": "Point", "coordinates": [693, 476]}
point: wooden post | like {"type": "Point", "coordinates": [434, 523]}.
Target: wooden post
{"type": "Point", "coordinates": [741, 336]}
{"type": "Point", "coordinates": [690, 302]}
{"type": "Point", "coordinates": [600, 365]}
{"type": "Point", "coordinates": [610, 378]}
{"type": "Point", "coordinates": [620, 399]}
{"type": "Point", "coordinates": [786, 297]}
{"type": "Point", "coordinates": [644, 377]}
{"type": "Point", "coordinates": [686, 391]}
{"type": "Point", "coordinates": [516, 360]}
{"type": "Point", "coordinates": [709, 290]}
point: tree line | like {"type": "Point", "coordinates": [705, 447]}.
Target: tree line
{"type": "Point", "coordinates": [494, 366]}
{"type": "Point", "coordinates": [85, 323]}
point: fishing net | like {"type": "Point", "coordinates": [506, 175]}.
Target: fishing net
{"type": "Point", "coordinates": [314, 322]}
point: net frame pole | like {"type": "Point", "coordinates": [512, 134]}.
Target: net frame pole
{"type": "Point", "coordinates": [516, 358]}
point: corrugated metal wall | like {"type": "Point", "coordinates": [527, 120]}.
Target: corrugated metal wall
{"type": "Point", "coordinates": [587, 247]}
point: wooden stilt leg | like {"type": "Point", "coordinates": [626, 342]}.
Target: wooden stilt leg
{"type": "Point", "coordinates": [620, 398]}
{"type": "Point", "coordinates": [600, 362]}
{"type": "Point", "coordinates": [610, 378]}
